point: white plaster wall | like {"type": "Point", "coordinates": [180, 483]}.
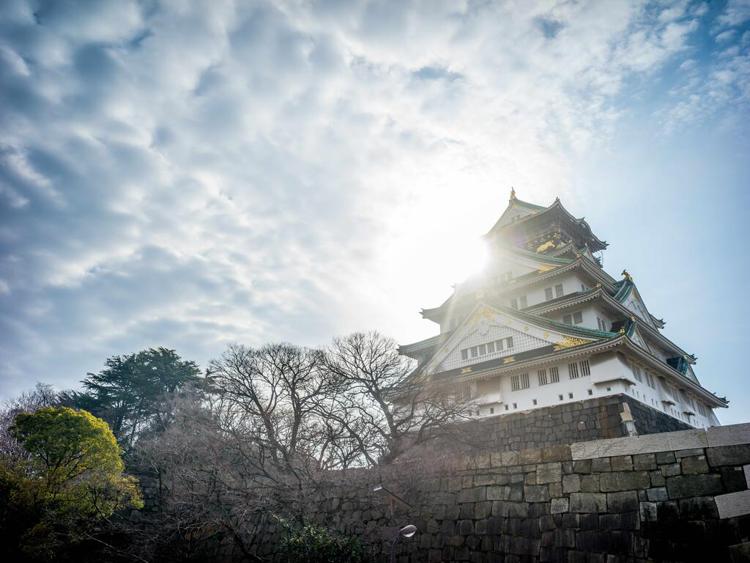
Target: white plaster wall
{"type": "Point", "coordinates": [493, 395]}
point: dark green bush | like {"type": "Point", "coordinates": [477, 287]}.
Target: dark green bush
{"type": "Point", "coordinates": [315, 544]}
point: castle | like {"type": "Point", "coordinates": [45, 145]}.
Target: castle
{"type": "Point", "coordinates": [545, 325]}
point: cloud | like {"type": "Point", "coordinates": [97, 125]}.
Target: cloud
{"type": "Point", "coordinates": [194, 174]}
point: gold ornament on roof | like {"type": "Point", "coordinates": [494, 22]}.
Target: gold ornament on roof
{"type": "Point", "coordinates": [545, 246]}
{"type": "Point", "coordinates": [512, 193]}
{"type": "Point", "coordinates": [627, 276]}
{"type": "Point", "coordinates": [509, 359]}
{"type": "Point", "coordinates": [569, 342]}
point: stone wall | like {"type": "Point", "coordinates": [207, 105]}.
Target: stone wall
{"type": "Point", "coordinates": [566, 423]}
{"type": "Point", "coordinates": [679, 496]}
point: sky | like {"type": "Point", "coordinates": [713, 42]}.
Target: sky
{"type": "Point", "coordinates": [192, 174]}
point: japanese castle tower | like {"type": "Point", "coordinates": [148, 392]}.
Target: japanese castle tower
{"type": "Point", "coordinates": [545, 324]}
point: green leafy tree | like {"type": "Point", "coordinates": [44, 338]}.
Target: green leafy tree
{"type": "Point", "coordinates": [71, 479]}
{"type": "Point", "coordinates": [131, 392]}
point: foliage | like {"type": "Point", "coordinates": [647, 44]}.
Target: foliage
{"type": "Point", "coordinates": [71, 479]}
{"type": "Point", "coordinates": [315, 544]}
{"type": "Point", "coordinates": [130, 393]}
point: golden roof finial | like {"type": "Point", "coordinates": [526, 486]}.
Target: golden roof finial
{"type": "Point", "coordinates": [512, 193]}
{"type": "Point", "coordinates": [626, 275]}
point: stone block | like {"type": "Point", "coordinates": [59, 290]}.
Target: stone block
{"type": "Point", "coordinates": [732, 505]}
{"type": "Point", "coordinates": [555, 489]}
{"type": "Point", "coordinates": [729, 455]}
{"type": "Point", "coordinates": [693, 485]}
{"type": "Point", "coordinates": [622, 463]}
{"type": "Point", "coordinates": [475, 494]}
{"type": "Point", "coordinates": [624, 480]}
{"type": "Point", "coordinates": [644, 462]}
{"type": "Point", "coordinates": [536, 493]}
{"type": "Point", "coordinates": [739, 552]}
{"type": "Point", "coordinates": [465, 527]}
{"type": "Point", "coordinates": [626, 501]}
{"type": "Point", "coordinates": [530, 456]}
{"type": "Point", "coordinates": [590, 484]}
{"type": "Point", "coordinates": [559, 505]}
{"type": "Point", "coordinates": [664, 457]}
{"type": "Point", "coordinates": [516, 492]}
{"type": "Point", "coordinates": [588, 502]}
{"type": "Point", "coordinates": [671, 469]}
{"type": "Point", "coordinates": [730, 435]}
{"type": "Point", "coordinates": [648, 443]}
{"type": "Point", "coordinates": [733, 478]}
{"type": "Point", "coordinates": [571, 483]}
{"type": "Point", "coordinates": [657, 479]}
{"type": "Point", "coordinates": [657, 494]}
{"type": "Point", "coordinates": [582, 466]}
{"type": "Point", "coordinates": [648, 512]}
{"type": "Point", "coordinates": [694, 465]}
{"type": "Point", "coordinates": [497, 493]}
{"type": "Point", "coordinates": [482, 510]}
{"type": "Point", "coordinates": [698, 508]}
{"type": "Point", "coordinates": [601, 464]}
{"type": "Point", "coordinates": [548, 473]}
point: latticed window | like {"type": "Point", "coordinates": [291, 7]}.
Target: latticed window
{"type": "Point", "coordinates": [573, 371]}
{"type": "Point", "coordinates": [554, 375]}
{"type": "Point", "coordinates": [559, 290]}
{"type": "Point", "coordinates": [585, 368]}
{"type": "Point", "coordinates": [548, 293]}
{"type": "Point", "coordinates": [542, 377]}
{"type": "Point", "coordinates": [518, 382]}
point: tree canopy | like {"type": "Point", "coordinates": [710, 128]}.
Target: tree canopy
{"type": "Point", "coordinates": [130, 393]}
{"type": "Point", "coordinates": [71, 478]}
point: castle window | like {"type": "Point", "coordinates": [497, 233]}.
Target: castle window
{"type": "Point", "coordinates": [548, 293]}
{"type": "Point", "coordinates": [491, 348]}
{"type": "Point", "coordinates": [570, 395]}
{"type": "Point", "coordinates": [591, 392]}
{"type": "Point", "coordinates": [534, 401]}
{"type": "Point", "coordinates": [573, 371]}
{"type": "Point", "coordinates": [559, 290]}
{"type": "Point", "coordinates": [601, 324]}
{"type": "Point", "coordinates": [542, 377]}
{"type": "Point", "coordinates": [554, 375]}
{"type": "Point", "coordinates": [568, 319]}
{"type": "Point", "coordinates": [482, 349]}
{"type": "Point", "coordinates": [561, 397]}
{"type": "Point", "coordinates": [474, 351]}
{"type": "Point", "coordinates": [577, 317]}
{"type": "Point", "coordinates": [492, 410]}
{"type": "Point", "coordinates": [506, 407]}
{"type": "Point", "coordinates": [465, 354]}
{"type": "Point", "coordinates": [514, 303]}
{"type": "Point", "coordinates": [637, 373]}
{"type": "Point", "coordinates": [498, 345]}
{"type": "Point", "coordinates": [585, 368]}
{"type": "Point", "coordinates": [515, 405]}
{"type": "Point", "coordinates": [518, 382]}
{"type": "Point", "coordinates": [509, 342]}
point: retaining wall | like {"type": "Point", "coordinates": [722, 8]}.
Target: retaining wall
{"type": "Point", "coordinates": [678, 496]}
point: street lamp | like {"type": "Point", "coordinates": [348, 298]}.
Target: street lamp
{"type": "Point", "coordinates": [407, 531]}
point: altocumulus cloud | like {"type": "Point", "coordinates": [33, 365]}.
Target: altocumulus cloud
{"type": "Point", "coordinates": [193, 173]}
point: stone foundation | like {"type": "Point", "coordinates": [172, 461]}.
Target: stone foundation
{"type": "Point", "coordinates": [679, 496]}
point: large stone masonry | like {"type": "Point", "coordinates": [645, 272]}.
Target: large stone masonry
{"type": "Point", "coordinates": [679, 496]}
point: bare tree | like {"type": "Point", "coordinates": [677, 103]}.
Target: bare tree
{"type": "Point", "coordinates": [378, 403]}
{"type": "Point", "coordinates": [43, 395]}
